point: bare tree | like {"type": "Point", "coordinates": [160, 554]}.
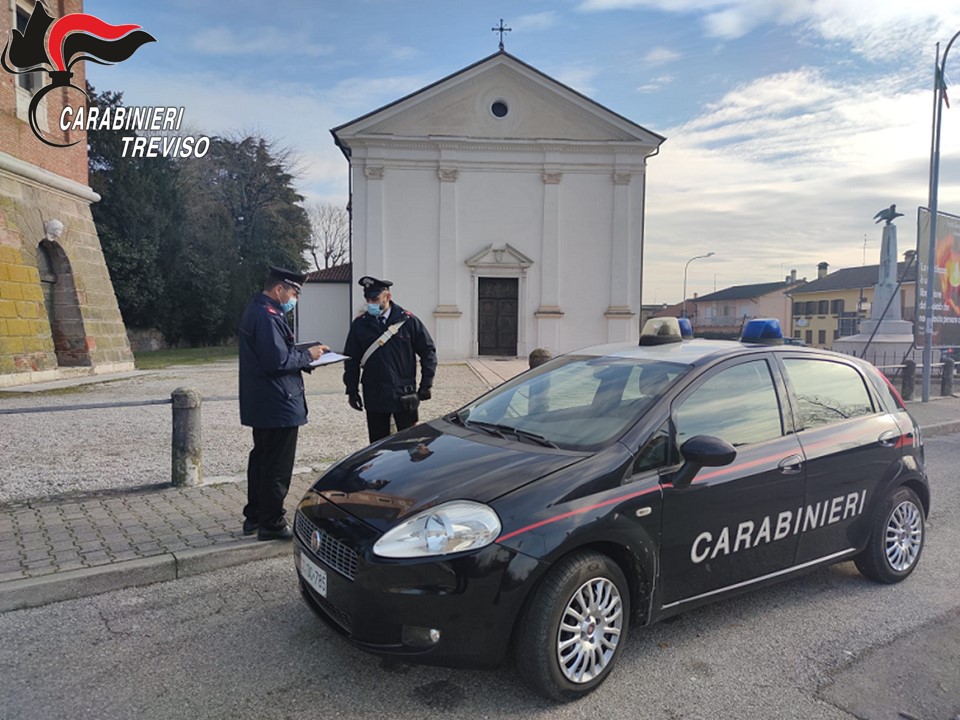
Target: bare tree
{"type": "Point", "coordinates": [329, 234]}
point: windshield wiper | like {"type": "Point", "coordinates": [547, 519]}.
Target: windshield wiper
{"type": "Point", "coordinates": [489, 428]}
{"type": "Point", "coordinates": [527, 435]}
{"type": "Point", "coordinates": [498, 429]}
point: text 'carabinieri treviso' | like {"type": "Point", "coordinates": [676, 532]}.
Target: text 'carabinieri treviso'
{"type": "Point", "coordinates": [140, 118]}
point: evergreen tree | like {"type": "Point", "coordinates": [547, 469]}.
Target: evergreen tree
{"type": "Point", "coordinates": [242, 216]}
{"type": "Point", "coordinates": [138, 219]}
{"type": "Point", "coordinates": [188, 241]}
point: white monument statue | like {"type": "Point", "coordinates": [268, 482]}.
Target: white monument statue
{"type": "Point", "coordinates": [886, 336]}
{"type": "Point", "coordinates": [886, 294]}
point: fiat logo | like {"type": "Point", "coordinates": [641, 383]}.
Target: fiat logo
{"type": "Point", "coordinates": [315, 541]}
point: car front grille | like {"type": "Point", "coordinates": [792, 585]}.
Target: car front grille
{"type": "Point", "coordinates": [340, 617]}
{"type": "Point", "coordinates": [333, 552]}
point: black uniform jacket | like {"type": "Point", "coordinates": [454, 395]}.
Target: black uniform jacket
{"type": "Point", "coordinates": [392, 370]}
{"type": "Point", "coordinates": [271, 384]}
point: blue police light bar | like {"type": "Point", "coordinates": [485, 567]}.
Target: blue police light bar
{"type": "Point", "coordinates": [660, 331]}
{"type": "Point", "coordinates": [686, 329]}
{"type": "Point", "coordinates": [765, 331]}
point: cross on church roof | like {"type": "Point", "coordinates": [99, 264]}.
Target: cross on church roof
{"type": "Point", "coordinates": [501, 30]}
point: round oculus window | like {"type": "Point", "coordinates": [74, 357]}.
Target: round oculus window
{"type": "Point", "coordinates": [499, 109]}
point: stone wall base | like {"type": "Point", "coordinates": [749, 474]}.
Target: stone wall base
{"type": "Point", "coordinates": [67, 373]}
{"type": "Point", "coordinates": [58, 311]}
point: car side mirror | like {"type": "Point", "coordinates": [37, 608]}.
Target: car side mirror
{"type": "Point", "coordinates": [702, 451]}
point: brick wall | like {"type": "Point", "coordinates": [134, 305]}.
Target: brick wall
{"type": "Point", "coordinates": [16, 137]}
{"type": "Point", "coordinates": [44, 199]}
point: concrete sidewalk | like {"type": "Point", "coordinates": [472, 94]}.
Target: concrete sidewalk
{"type": "Point", "coordinates": [59, 548]}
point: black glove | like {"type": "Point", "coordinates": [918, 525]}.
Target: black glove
{"type": "Point", "coordinates": [424, 392]}
{"type": "Point", "coordinates": [355, 402]}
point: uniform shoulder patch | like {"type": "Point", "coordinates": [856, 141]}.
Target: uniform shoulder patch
{"type": "Point", "coordinates": [408, 313]}
{"type": "Point", "coordinates": [271, 310]}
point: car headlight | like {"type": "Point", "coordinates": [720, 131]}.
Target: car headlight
{"type": "Point", "coordinates": [452, 527]}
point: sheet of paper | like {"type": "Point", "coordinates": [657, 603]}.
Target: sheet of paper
{"type": "Point", "coordinates": [327, 358]}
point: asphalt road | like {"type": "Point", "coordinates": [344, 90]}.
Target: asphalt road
{"type": "Point", "coordinates": [239, 643]}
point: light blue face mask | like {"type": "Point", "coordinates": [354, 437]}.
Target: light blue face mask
{"type": "Point", "coordinates": [289, 305]}
{"type": "Point", "coordinates": [374, 309]}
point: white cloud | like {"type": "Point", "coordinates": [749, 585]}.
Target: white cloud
{"type": "Point", "coordinates": [876, 29]}
{"type": "Point", "coordinates": [655, 84]}
{"type": "Point", "coordinates": [381, 46]}
{"type": "Point", "coordinates": [660, 56]}
{"type": "Point", "coordinates": [537, 21]}
{"type": "Point", "coordinates": [222, 41]}
{"type": "Point", "coordinates": [785, 172]}
{"type": "Point", "coordinates": [296, 117]}
{"type": "Point", "coordinates": [579, 78]}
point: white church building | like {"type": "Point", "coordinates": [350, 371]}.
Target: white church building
{"type": "Point", "coordinates": [507, 209]}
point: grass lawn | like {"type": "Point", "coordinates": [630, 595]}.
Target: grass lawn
{"type": "Point", "coordinates": [155, 359]}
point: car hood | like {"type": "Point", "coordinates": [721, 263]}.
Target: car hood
{"type": "Point", "coordinates": [425, 465]}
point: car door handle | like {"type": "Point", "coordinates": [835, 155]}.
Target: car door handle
{"type": "Point", "coordinates": [889, 438]}
{"type": "Point", "coordinates": [790, 465]}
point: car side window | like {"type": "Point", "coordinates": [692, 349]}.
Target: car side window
{"type": "Point", "coordinates": [738, 404]}
{"type": "Point", "coordinates": [827, 392]}
{"type": "Point", "coordinates": [657, 452]}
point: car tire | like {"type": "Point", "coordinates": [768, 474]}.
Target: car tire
{"type": "Point", "coordinates": [574, 626]}
{"type": "Point", "coordinates": [897, 534]}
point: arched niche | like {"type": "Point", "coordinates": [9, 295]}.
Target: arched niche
{"type": "Point", "coordinates": [63, 308]}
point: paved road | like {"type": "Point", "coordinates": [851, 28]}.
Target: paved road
{"type": "Point", "coordinates": [239, 643]}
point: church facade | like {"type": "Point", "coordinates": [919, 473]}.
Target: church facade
{"type": "Point", "coordinates": [507, 209]}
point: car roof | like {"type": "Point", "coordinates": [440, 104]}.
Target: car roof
{"type": "Point", "coordinates": [692, 352]}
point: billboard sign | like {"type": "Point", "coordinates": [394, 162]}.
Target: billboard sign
{"type": "Point", "coordinates": [946, 278]}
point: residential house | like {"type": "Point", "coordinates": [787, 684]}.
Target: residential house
{"type": "Point", "coordinates": [833, 305]}
{"type": "Point", "coordinates": [723, 313]}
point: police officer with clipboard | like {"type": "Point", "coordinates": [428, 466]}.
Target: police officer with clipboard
{"type": "Point", "coordinates": [382, 349]}
{"type": "Point", "coordinates": [272, 400]}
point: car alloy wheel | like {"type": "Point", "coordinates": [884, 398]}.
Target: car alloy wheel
{"type": "Point", "coordinates": [904, 536]}
{"type": "Point", "coordinates": [571, 631]}
{"type": "Point", "coordinates": [896, 538]}
{"type": "Point", "coordinates": [589, 630]}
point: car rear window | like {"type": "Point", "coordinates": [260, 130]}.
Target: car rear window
{"type": "Point", "coordinates": [827, 392]}
{"type": "Point", "coordinates": [888, 393]}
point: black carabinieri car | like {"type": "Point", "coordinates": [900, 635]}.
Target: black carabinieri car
{"type": "Point", "coordinates": [612, 485]}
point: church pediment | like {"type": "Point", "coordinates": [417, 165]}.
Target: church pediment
{"type": "Point", "coordinates": [499, 256]}
{"type": "Point", "coordinates": [499, 98]}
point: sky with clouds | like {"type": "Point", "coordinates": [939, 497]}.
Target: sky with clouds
{"type": "Point", "coordinates": [789, 123]}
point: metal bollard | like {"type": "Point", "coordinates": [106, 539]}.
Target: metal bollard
{"type": "Point", "coordinates": [946, 377]}
{"type": "Point", "coordinates": [186, 460]}
{"type": "Point", "coordinates": [909, 379]}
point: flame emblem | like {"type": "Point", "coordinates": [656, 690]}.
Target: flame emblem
{"type": "Point", "coordinates": [56, 46]}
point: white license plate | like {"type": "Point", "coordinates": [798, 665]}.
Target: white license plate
{"type": "Point", "coordinates": [314, 575]}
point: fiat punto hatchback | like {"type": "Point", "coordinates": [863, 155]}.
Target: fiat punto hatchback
{"type": "Point", "coordinates": [613, 485]}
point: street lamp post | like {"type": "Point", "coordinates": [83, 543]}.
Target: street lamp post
{"type": "Point", "coordinates": [695, 257]}
{"type": "Point", "coordinates": [939, 83]}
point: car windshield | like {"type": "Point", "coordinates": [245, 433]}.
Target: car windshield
{"type": "Point", "coordinates": [573, 402]}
